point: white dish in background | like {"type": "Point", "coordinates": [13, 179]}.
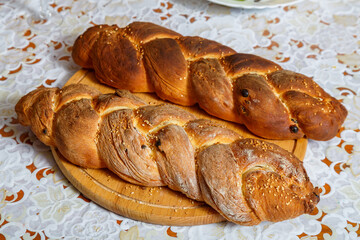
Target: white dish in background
{"type": "Point", "coordinates": [251, 4]}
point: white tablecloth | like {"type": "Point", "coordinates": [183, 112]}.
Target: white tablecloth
{"type": "Point", "coordinates": [318, 38]}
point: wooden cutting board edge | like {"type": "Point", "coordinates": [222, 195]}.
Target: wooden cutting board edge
{"type": "Point", "coordinates": [153, 205]}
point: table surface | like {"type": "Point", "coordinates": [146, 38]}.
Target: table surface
{"type": "Point", "coordinates": [319, 38]}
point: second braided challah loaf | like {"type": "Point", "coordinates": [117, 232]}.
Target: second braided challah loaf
{"type": "Point", "coordinates": [271, 102]}
{"type": "Point", "coordinates": [245, 180]}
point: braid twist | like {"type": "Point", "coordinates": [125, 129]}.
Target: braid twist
{"type": "Point", "coordinates": [245, 180]}
{"type": "Point", "coordinates": [271, 102]}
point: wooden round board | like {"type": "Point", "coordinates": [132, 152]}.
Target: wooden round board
{"type": "Point", "coordinates": [158, 205]}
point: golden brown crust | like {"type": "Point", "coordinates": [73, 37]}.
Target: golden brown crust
{"type": "Point", "coordinates": [75, 131]}
{"type": "Point", "coordinates": [125, 151]}
{"type": "Point", "coordinates": [203, 133]}
{"type": "Point", "coordinates": [83, 45]}
{"type": "Point", "coordinates": [143, 32]}
{"type": "Point", "coordinates": [151, 117]}
{"type": "Point", "coordinates": [68, 128]}
{"type": "Point", "coordinates": [213, 85]}
{"type": "Point", "coordinates": [168, 80]}
{"type": "Point", "coordinates": [126, 59]}
{"type": "Point", "coordinates": [175, 157]}
{"type": "Point", "coordinates": [39, 116]}
{"type": "Point", "coordinates": [250, 181]}
{"type": "Point", "coordinates": [245, 180]}
{"type": "Point", "coordinates": [144, 57]}
{"type": "Point", "coordinates": [262, 111]}
{"type": "Point", "coordinates": [197, 48]}
{"type": "Point", "coordinates": [240, 63]}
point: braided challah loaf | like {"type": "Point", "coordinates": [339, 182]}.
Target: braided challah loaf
{"type": "Point", "coordinates": [271, 102]}
{"type": "Point", "coordinates": [245, 180]}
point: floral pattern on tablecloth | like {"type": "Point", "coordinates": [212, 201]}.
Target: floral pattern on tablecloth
{"type": "Point", "coordinates": [318, 38]}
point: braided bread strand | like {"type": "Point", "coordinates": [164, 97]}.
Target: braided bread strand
{"type": "Point", "coordinates": [245, 180]}
{"type": "Point", "coordinates": [271, 102]}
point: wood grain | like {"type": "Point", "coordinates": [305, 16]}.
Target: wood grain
{"type": "Point", "coordinates": [158, 205]}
